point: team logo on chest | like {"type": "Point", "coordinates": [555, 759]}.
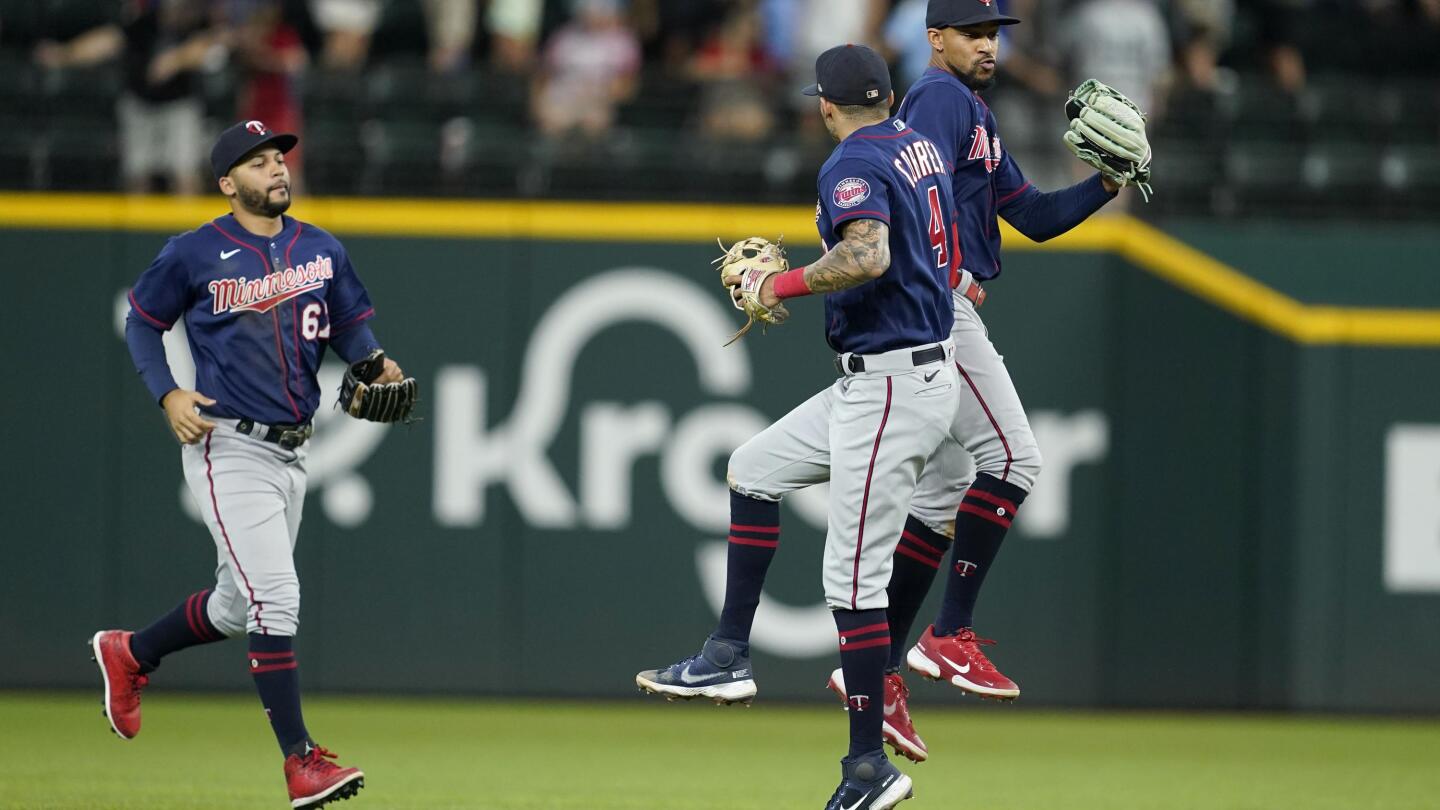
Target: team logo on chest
{"type": "Point", "coordinates": [263, 294]}
{"type": "Point", "coordinates": [987, 148]}
{"type": "Point", "coordinates": [850, 192]}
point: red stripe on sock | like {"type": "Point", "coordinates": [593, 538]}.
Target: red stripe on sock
{"type": "Point", "coordinates": [862, 645]}
{"type": "Point", "coordinates": [190, 616]}
{"type": "Point", "coordinates": [750, 541]}
{"type": "Point", "coordinates": [866, 630]}
{"type": "Point", "coordinates": [938, 551]}
{"type": "Point", "coordinates": [995, 499]}
{"type": "Point", "coordinates": [273, 668]}
{"type": "Point", "coordinates": [917, 556]}
{"type": "Point", "coordinates": [270, 655]}
{"type": "Point", "coordinates": [735, 527]}
{"type": "Point", "coordinates": [988, 514]}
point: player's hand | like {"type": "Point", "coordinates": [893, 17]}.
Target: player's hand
{"type": "Point", "coordinates": [390, 374]}
{"type": "Point", "coordinates": [767, 295]}
{"type": "Point", "coordinates": [186, 423]}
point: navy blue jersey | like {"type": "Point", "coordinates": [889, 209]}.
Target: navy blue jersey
{"type": "Point", "coordinates": [889, 172]}
{"type": "Point", "coordinates": [258, 311]}
{"type": "Point", "coordinates": [987, 181]}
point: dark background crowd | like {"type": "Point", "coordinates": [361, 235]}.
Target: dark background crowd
{"type": "Point", "coordinates": [1284, 107]}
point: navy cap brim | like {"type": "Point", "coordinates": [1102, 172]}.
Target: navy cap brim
{"type": "Point", "coordinates": [964, 21]}
{"type": "Point", "coordinates": [812, 90]}
{"type": "Point", "coordinates": [283, 141]}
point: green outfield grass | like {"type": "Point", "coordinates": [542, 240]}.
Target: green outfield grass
{"type": "Point", "coordinates": [216, 752]}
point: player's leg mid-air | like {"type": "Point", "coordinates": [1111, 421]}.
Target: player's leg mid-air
{"type": "Point", "coordinates": [869, 433]}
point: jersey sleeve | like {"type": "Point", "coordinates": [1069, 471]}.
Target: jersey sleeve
{"type": "Point", "coordinates": [158, 299]}
{"type": "Point", "coordinates": [1010, 182]}
{"type": "Point", "coordinates": [943, 114]}
{"type": "Point", "coordinates": [162, 293]}
{"type": "Point", "coordinates": [346, 298]}
{"type": "Point", "coordinates": [853, 189]}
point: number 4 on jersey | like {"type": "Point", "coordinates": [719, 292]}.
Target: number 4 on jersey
{"type": "Point", "coordinates": [937, 229]}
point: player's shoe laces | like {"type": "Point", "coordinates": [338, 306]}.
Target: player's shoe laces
{"type": "Point", "coordinates": [896, 728]}
{"type": "Point", "coordinates": [870, 782]}
{"type": "Point", "coordinates": [720, 671]}
{"type": "Point", "coordinates": [959, 660]}
{"type": "Point", "coordinates": [123, 681]}
{"type": "Point", "coordinates": [314, 780]}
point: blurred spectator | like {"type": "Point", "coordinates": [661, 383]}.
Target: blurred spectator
{"type": "Point", "coordinates": [272, 58]}
{"type": "Point", "coordinates": [590, 66]}
{"type": "Point", "coordinates": [162, 47]}
{"type": "Point", "coordinates": [348, 26]}
{"type": "Point", "coordinates": [905, 41]}
{"type": "Point", "coordinates": [1280, 40]}
{"type": "Point", "coordinates": [452, 33]}
{"type": "Point", "coordinates": [1027, 51]}
{"type": "Point", "coordinates": [1202, 32]}
{"type": "Point", "coordinates": [671, 31]}
{"type": "Point", "coordinates": [730, 67]}
{"type": "Point", "coordinates": [1123, 43]}
{"type": "Point", "coordinates": [514, 27]}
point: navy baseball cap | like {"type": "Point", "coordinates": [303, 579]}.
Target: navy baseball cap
{"type": "Point", "coordinates": [242, 139]}
{"type": "Point", "coordinates": [960, 13]}
{"type": "Point", "coordinates": [851, 74]}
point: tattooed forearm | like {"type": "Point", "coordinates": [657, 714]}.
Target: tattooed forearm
{"type": "Point", "coordinates": [863, 255]}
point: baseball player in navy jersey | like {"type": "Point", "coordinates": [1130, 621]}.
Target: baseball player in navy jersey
{"type": "Point", "coordinates": [884, 215]}
{"type": "Point", "coordinates": [990, 424]}
{"type": "Point", "coordinates": [262, 295]}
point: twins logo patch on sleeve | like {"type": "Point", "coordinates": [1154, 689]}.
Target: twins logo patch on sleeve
{"type": "Point", "coordinates": [850, 192]}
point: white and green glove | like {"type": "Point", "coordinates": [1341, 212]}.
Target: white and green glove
{"type": "Point", "coordinates": [1107, 131]}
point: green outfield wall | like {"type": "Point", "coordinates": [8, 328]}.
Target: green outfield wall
{"type": "Point", "coordinates": [1228, 517]}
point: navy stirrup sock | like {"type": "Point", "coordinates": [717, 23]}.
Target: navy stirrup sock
{"type": "Point", "coordinates": [980, 526]}
{"type": "Point", "coordinates": [187, 625]}
{"type": "Point", "coordinates": [277, 679]}
{"type": "Point", "coordinates": [864, 649]}
{"type": "Point", "coordinates": [918, 558]}
{"type": "Point", "coordinates": [754, 537]}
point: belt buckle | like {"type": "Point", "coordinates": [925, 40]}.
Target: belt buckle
{"type": "Point", "coordinates": [291, 439]}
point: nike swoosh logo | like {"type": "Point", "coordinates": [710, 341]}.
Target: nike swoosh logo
{"type": "Point", "coordinates": [962, 670]}
{"type": "Point", "coordinates": [225, 254]}
{"type": "Point", "coordinates": [891, 708]}
{"type": "Point", "coordinates": [857, 803]}
{"type": "Point", "coordinates": [686, 677]}
{"type": "Point", "coordinates": [931, 376]}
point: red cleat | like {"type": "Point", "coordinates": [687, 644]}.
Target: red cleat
{"type": "Point", "coordinates": [959, 660]}
{"type": "Point", "coordinates": [123, 681]}
{"type": "Point", "coordinates": [896, 728]}
{"type": "Point", "coordinates": [314, 780]}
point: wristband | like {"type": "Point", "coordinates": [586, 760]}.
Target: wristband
{"type": "Point", "coordinates": [791, 284]}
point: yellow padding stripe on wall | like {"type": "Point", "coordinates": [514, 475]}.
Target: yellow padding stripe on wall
{"type": "Point", "coordinates": [1144, 246]}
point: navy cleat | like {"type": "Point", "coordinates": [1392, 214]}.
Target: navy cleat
{"type": "Point", "coordinates": [870, 782]}
{"type": "Point", "coordinates": [720, 671]}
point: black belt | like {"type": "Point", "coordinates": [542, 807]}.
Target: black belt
{"type": "Point", "coordinates": [919, 357]}
{"type": "Point", "coordinates": [287, 436]}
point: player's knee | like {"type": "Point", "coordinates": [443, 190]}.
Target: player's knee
{"type": "Point", "coordinates": [227, 613]}
{"type": "Point", "coordinates": [276, 611]}
{"type": "Point", "coordinates": [1015, 460]}
{"type": "Point", "coordinates": [745, 473]}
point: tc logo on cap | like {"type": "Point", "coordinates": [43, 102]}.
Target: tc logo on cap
{"type": "Point", "coordinates": [256, 127]}
{"type": "Point", "coordinates": [985, 2]}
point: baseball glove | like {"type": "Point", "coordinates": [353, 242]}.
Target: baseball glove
{"type": "Point", "coordinates": [753, 260]}
{"type": "Point", "coordinates": [364, 399]}
{"type": "Point", "coordinates": [1107, 131]}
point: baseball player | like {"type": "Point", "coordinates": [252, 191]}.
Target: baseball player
{"type": "Point", "coordinates": [884, 215]}
{"type": "Point", "coordinates": [262, 295]}
{"type": "Point", "coordinates": [945, 105]}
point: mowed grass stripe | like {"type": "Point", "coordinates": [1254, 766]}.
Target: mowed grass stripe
{"type": "Point", "coordinates": [217, 752]}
